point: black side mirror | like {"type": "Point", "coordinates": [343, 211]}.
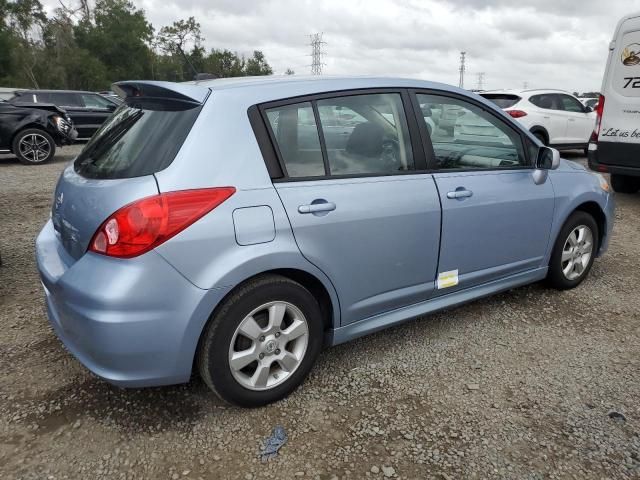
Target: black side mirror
{"type": "Point", "coordinates": [548, 158]}
{"type": "Point", "coordinates": [588, 109]}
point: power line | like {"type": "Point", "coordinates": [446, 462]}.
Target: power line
{"type": "Point", "coordinates": [316, 53]}
{"type": "Point", "coordinates": [481, 80]}
{"type": "Point", "coordinates": [462, 69]}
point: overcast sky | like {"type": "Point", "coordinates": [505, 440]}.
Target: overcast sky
{"type": "Point", "coordinates": [545, 43]}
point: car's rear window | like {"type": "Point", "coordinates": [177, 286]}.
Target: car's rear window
{"type": "Point", "coordinates": [502, 100]}
{"type": "Point", "coordinates": [139, 139]}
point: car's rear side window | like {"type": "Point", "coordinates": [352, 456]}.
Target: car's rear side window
{"type": "Point", "coordinates": [363, 134]}
{"type": "Point", "coordinates": [139, 139]}
{"type": "Point", "coordinates": [502, 100]}
{"type": "Point", "coordinates": [296, 134]}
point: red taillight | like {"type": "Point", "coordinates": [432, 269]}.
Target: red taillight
{"type": "Point", "coordinates": [516, 113]}
{"type": "Point", "coordinates": [599, 111]}
{"type": "Point", "coordinates": [142, 225]}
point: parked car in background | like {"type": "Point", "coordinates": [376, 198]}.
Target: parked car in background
{"type": "Point", "coordinates": [111, 95]}
{"type": "Point", "coordinates": [32, 134]}
{"type": "Point", "coordinates": [555, 117]}
{"type": "Point", "coordinates": [7, 93]}
{"type": "Point", "coordinates": [87, 110]}
{"type": "Point", "coordinates": [615, 144]}
{"type": "Point", "coordinates": [214, 225]}
{"type": "Point", "coordinates": [589, 102]}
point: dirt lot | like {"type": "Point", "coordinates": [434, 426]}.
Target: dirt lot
{"type": "Point", "coordinates": [521, 386]}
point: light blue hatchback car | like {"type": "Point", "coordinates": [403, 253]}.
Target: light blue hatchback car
{"type": "Point", "coordinates": [239, 225]}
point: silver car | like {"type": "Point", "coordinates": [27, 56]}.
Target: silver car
{"type": "Point", "coordinates": [237, 226]}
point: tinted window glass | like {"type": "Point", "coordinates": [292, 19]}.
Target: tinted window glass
{"type": "Point", "coordinates": [64, 99]}
{"type": "Point", "coordinates": [502, 100]}
{"type": "Point", "coordinates": [547, 101]}
{"type": "Point", "coordinates": [479, 139]}
{"type": "Point", "coordinates": [570, 104]}
{"type": "Point", "coordinates": [138, 139]}
{"type": "Point", "coordinates": [95, 101]}
{"type": "Point", "coordinates": [366, 134]}
{"type": "Point", "coordinates": [296, 133]}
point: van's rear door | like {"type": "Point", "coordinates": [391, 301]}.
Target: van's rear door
{"type": "Point", "coordinates": [117, 166]}
{"type": "Point", "coordinates": [619, 139]}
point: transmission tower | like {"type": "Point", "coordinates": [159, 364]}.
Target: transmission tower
{"type": "Point", "coordinates": [462, 69]}
{"type": "Point", "coordinates": [316, 53]}
{"type": "Point", "coordinates": [481, 80]}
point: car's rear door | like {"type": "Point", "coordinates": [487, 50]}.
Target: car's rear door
{"type": "Point", "coordinates": [496, 214]}
{"type": "Point", "coordinates": [362, 210]}
{"type": "Point", "coordinates": [552, 117]}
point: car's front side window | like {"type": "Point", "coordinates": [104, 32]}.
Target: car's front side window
{"type": "Point", "coordinates": [95, 101]}
{"type": "Point", "coordinates": [479, 140]}
{"type": "Point", "coordinates": [570, 104]}
{"type": "Point", "coordinates": [296, 135]}
{"type": "Point", "coordinates": [366, 134]}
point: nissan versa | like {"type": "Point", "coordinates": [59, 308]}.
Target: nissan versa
{"type": "Point", "coordinates": [236, 226]}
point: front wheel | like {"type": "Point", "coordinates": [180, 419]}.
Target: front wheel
{"type": "Point", "coordinates": [261, 342]}
{"type": "Point", "coordinates": [33, 146]}
{"type": "Point", "coordinates": [573, 252]}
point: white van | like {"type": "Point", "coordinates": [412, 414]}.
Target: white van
{"type": "Point", "coordinates": [615, 143]}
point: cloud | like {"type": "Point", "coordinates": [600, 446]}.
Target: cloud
{"type": "Point", "coordinates": [546, 43]}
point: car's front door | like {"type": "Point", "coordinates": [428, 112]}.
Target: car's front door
{"type": "Point", "coordinates": [359, 209]}
{"type": "Point", "coordinates": [496, 219]}
{"type": "Point", "coordinates": [580, 123]}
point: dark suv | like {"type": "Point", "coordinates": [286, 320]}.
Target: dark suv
{"type": "Point", "coordinates": [87, 110]}
{"type": "Point", "coordinates": [32, 133]}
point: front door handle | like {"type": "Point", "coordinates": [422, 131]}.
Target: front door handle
{"type": "Point", "coordinates": [459, 193]}
{"type": "Point", "coordinates": [319, 207]}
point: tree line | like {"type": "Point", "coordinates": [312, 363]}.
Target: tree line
{"type": "Point", "coordinates": [88, 48]}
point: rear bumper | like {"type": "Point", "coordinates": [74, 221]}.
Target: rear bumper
{"type": "Point", "coordinates": [132, 322]}
{"type": "Point", "coordinates": [616, 158]}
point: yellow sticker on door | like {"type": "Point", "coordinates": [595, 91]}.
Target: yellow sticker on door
{"type": "Point", "coordinates": [448, 279]}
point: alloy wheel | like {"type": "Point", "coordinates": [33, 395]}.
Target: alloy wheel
{"type": "Point", "coordinates": [268, 345]}
{"type": "Point", "coordinates": [34, 147]}
{"type": "Point", "coordinates": [577, 252]}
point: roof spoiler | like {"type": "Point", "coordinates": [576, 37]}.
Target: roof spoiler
{"type": "Point", "coordinates": [181, 92]}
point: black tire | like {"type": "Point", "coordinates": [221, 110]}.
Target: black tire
{"type": "Point", "coordinates": [625, 184]}
{"type": "Point", "coordinates": [540, 137]}
{"type": "Point", "coordinates": [555, 276]}
{"type": "Point", "coordinates": [34, 159]}
{"type": "Point", "coordinates": [213, 349]}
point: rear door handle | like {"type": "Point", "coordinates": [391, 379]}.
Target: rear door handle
{"type": "Point", "coordinates": [317, 207]}
{"type": "Point", "coordinates": [461, 193]}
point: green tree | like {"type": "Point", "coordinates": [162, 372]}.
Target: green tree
{"type": "Point", "coordinates": [119, 37]}
{"type": "Point", "coordinates": [257, 65]}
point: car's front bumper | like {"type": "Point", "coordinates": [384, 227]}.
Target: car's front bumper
{"type": "Point", "coordinates": [133, 322]}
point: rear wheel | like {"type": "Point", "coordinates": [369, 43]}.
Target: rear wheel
{"type": "Point", "coordinates": [625, 184]}
{"type": "Point", "coordinates": [33, 146]}
{"type": "Point", "coordinates": [262, 342]}
{"type": "Point", "coordinates": [540, 137]}
{"type": "Point", "coordinates": [573, 252]}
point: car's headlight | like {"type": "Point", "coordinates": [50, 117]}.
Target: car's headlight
{"type": "Point", "coordinates": [604, 185]}
{"type": "Point", "coordinates": [61, 124]}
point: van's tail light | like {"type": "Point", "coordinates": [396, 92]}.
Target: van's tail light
{"type": "Point", "coordinates": [516, 113]}
{"type": "Point", "coordinates": [599, 111]}
{"type": "Point", "coordinates": [144, 224]}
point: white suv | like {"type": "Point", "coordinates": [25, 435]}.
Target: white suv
{"type": "Point", "coordinates": [555, 117]}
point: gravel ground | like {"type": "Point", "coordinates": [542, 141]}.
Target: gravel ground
{"type": "Point", "coordinates": [523, 385]}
